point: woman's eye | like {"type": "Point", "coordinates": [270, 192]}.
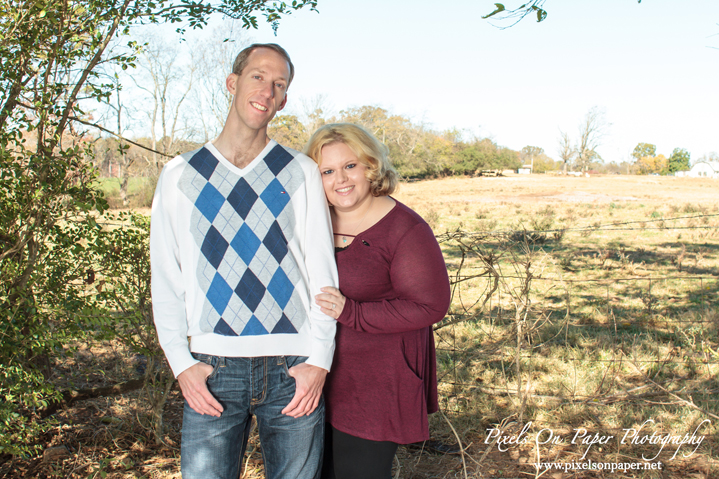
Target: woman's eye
{"type": "Point", "coordinates": [351, 165]}
{"type": "Point", "coordinates": [327, 172]}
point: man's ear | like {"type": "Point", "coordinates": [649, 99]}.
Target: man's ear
{"type": "Point", "coordinates": [284, 102]}
{"type": "Point", "coordinates": [231, 83]}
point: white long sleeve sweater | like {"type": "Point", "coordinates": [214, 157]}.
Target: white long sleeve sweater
{"type": "Point", "coordinates": [238, 256]}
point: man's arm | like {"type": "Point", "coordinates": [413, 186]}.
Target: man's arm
{"type": "Point", "coordinates": [319, 259]}
{"type": "Point", "coordinates": [168, 301]}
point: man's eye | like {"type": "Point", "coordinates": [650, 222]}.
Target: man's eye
{"type": "Point", "coordinates": [257, 77]}
{"type": "Point", "coordinates": [280, 86]}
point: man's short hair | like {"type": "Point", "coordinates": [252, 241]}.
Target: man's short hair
{"type": "Point", "coordinates": [241, 60]}
{"type": "Point", "coordinates": [369, 150]}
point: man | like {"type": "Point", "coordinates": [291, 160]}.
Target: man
{"type": "Point", "coordinates": [240, 244]}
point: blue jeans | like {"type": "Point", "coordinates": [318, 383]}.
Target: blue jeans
{"type": "Point", "coordinates": [213, 447]}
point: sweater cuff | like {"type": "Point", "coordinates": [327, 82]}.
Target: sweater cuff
{"type": "Point", "coordinates": [321, 359]}
{"type": "Point", "coordinates": [348, 312]}
{"type": "Point", "coordinates": [180, 360]}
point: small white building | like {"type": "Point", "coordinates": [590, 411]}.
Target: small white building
{"type": "Point", "coordinates": [702, 169]}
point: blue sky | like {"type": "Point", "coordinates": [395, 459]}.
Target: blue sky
{"type": "Point", "coordinates": [652, 67]}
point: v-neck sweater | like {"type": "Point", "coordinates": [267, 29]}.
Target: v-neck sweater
{"type": "Point", "coordinates": [238, 255]}
{"type": "Point", "coordinates": [384, 381]}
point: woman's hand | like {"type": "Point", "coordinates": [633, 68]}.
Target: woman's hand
{"type": "Point", "coordinates": [331, 301]}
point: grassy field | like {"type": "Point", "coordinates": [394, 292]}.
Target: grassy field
{"type": "Point", "coordinates": [139, 191]}
{"type": "Point", "coordinates": [584, 326]}
{"type": "Point", "coordinates": [584, 306]}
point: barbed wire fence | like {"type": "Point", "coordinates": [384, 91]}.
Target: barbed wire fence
{"type": "Point", "coordinates": [511, 288]}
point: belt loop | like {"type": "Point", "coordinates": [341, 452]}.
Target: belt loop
{"type": "Point", "coordinates": [280, 360]}
{"type": "Point", "coordinates": [221, 361]}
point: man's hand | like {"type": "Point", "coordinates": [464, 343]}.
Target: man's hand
{"type": "Point", "coordinates": [309, 382]}
{"type": "Point", "coordinates": [193, 383]}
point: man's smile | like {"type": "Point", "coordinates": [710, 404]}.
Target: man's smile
{"type": "Point", "coordinates": [258, 106]}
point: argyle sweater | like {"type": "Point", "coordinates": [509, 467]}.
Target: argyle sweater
{"type": "Point", "coordinates": [238, 255]}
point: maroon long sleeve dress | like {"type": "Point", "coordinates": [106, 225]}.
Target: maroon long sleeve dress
{"type": "Point", "coordinates": [383, 381]}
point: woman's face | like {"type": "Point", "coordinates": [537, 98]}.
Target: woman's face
{"type": "Point", "coordinates": [343, 177]}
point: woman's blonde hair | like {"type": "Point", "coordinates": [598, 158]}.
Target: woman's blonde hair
{"type": "Point", "coordinates": [370, 151]}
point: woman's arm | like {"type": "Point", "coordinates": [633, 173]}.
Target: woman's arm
{"type": "Point", "coordinates": [419, 276]}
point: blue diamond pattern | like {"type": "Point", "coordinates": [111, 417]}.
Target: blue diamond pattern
{"type": "Point", "coordinates": [219, 294]}
{"type": "Point", "coordinates": [214, 247]}
{"type": "Point", "coordinates": [254, 328]}
{"type": "Point", "coordinates": [250, 290]}
{"type": "Point", "coordinates": [209, 202]}
{"type": "Point", "coordinates": [284, 326]}
{"type": "Point", "coordinates": [275, 242]}
{"type": "Point", "coordinates": [242, 197]}
{"type": "Point", "coordinates": [245, 243]}
{"type": "Point", "coordinates": [280, 288]}
{"type": "Point", "coordinates": [224, 329]}
{"type": "Point", "coordinates": [277, 159]}
{"type": "Point", "coordinates": [204, 162]}
{"type": "Point", "coordinates": [275, 197]}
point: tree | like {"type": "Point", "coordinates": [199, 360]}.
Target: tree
{"type": "Point", "coordinates": [529, 153]}
{"type": "Point", "coordinates": [288, 131]}
{"type": "Point", "coordinates": [395, 131]}
{"type": "Point", "coordinates": [644, 149]}
{"type": "Point", "coordinates": [167, 85]}
{"type": "Point", "coordinates": [591, 133]}
{"type": "Point", "coordinates": [213, 58]}
{"type": "Point", "coordinates": [52, 52]}
{"type": "Point", "coordinates": [650, 165]}
{"type": "Point", "coordinates": [433, 155]}
{"type": "Point", "coordinates": [516, 15]}
{"type": "Point", "coordinates": [543, 163]}
{"type": "Point", "coordinates": [678, 161]}
{"type": "Point", "coordinates": [566, 150]}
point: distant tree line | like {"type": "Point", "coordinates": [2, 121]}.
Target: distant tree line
{"type": "Point", "coordinates": [648, 162]}
{"type": "Point", "coordinates": [415, 150]}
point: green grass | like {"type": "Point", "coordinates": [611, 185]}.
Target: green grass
{"type": "Point", "coordinates": [139, 191]}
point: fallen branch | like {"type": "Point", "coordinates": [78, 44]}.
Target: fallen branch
{"type": "Point", "coordinates": [689, 403]}
{"type": "Point", "coordinates": [73, 395]}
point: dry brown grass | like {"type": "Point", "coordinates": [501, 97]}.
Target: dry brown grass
{"type": "Point", "coordinates": [631, 280]}
{"type": "Point", "coordinates": [591, 318]}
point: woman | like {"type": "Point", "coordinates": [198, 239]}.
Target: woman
{"type": "Point", "coordinates": [394, 286]}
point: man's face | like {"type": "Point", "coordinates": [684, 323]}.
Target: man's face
{"type": "Point", "coordinates": [260, 91]}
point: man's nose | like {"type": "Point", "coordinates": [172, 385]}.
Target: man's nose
{"type": "Point", "coordinates": [268, 90]}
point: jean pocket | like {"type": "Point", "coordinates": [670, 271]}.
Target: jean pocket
{"type": "Point", "coordinates": [291, 361]}
{"type": "Point", "coordinates": [213, 361]}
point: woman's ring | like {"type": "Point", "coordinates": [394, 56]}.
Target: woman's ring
{"type": "Point", "coordinates": [333, 305]}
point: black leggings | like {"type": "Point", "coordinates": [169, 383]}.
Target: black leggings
{"type": "Point", "coordinates": [351, 457]}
